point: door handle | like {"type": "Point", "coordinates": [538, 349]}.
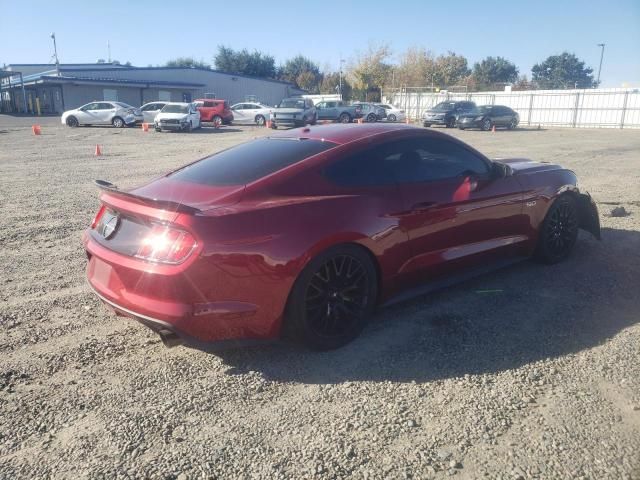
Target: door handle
{"type": "Point", "coordinates": [423, 206]}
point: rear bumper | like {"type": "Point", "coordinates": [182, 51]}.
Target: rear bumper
{"type": "Point", "coordinates": [464, 123]}
{"type": "Point", "coordinates": [197, 302]}
{"type": "Point", "coordinates": [434, 121]}
{"type": "Point", "coordinates": [288, 122]}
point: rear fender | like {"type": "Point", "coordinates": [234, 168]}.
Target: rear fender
{"type": "Point", "coordinates": [589, 218]}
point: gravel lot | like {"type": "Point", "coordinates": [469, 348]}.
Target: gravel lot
{"type": "Point", "coordinates": [537, 378]}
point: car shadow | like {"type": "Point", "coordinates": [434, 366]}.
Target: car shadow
{"type": "Point", "coordinates": [500, 321]}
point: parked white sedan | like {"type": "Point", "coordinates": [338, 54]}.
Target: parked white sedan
{"type": "Point", "coordinates": [394, 114]}
{"type": "Point", "coordinates": [251, 112]}
{"type": "Point", "coordinates": [117, 114]}
{"type": "Point", "coordinates": [177, 116]}
{"type": "Point", "coordinates": [150, 110]}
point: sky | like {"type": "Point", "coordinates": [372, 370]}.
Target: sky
{"type": "Point", "coordinates": [151, 32]}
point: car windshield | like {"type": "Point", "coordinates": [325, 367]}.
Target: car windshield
{"type": "Point", "coordinates": [175, 109]}
{"type": "Point", "coordinates": [250, 161]}
{"type": "Point", "coordinates": [292, 103]}
{"type": "Point", "coordinates": [444, 107]}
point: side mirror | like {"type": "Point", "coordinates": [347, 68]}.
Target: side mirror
{"type": "Point", "coordinates": [500, 170]}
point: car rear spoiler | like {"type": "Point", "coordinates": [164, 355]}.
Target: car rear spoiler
{"type": "Point", "coordinates": [162, 204]}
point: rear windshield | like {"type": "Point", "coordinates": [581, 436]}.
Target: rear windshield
{"type": "Point", "coordinates": [250, 161]}
{"type": "Point", "coordinates": [444, 106]}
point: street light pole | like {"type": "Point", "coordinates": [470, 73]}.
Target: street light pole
{"type": "Point", "coordinates": [340, 73]}
{"type": "Point", "coordinates": [601, 45]}
{"type": "Point", "coordinates": [55, 54]}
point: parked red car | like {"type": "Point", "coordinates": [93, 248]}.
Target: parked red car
{"type": "Point", "coordinates": [304, 233]}
{"type": "Point", "coordinates": [214, 110]}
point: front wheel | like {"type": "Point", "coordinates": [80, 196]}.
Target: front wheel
{"type": "Point", "coordinates": [451, 122]}
{"type": "Point", "coordinates": [372, 118]}
{"type": "Point", "coordinates": [72, 122]}
{"type": "Point", "coordinates": [260, 120]}
{"type": "Point", "coordinates": [332, 298]}
{"type": "Point", "coordinates": [391, 118]}
{"type": "Point", "coordinates": [559, 231]}
{"type": "Point", "coordinates": [216, 120]}
{"type": "Point", "coordinates": [512, 124]}
{"type": "Point", "coordinates": [486, 124]}
{"type": "Point", "coordinates": [117, 122]}
{"type": "Point", "coordinates": [427, 125]}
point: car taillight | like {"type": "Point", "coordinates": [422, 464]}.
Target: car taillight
{"type": "Point", "coordinates": [98, 216]}
{"type": "Point", "coordinates": [166, 245]}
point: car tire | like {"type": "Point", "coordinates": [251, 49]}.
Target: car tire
{"type": "Point", "coordinates": [427, 125]}
{"type": "Point", "coordinates": [460, 127]}
{"type": "Point", "coordinates": [344, 118]}
{"type": "Point", "coordinates": [314, 120]}
{"type": "Point", "coordinates": [332, 298]}
{"type": "Point", "coordinates": [486, 124]}
{"type": "Point", "coordinates": [372, 118]}
{"type": "Point", "coordinates": [216, 120]}
{"type": "Point", "coordinates": [188, 127]}
{"type": "Point", "coordinates": [72, 122]}
{"type": "Point", "coordinates": [118, 122]}
{"type": "Point", "coordinates": [451, 122]}
{"type": "Point", "coordinates": [391, 118]}
{"type": "Point", "coordinates": [512, 124]}
{"type": "Point", "coordinates": [260, 120]}
{"type": "Point", "coordinates": [559, 231]}
{"type": "Point", "coordinates": [158, 129]}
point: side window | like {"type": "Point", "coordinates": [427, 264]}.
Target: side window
{"type": "Point", "coordinates": [428, 160]}
{"type": "Point", "coordinates": [331, 104]}
{"type": "Point", "coordinates": [210, 104]}
{"type": "Point", "coordinates": [105, 106]}
{"type": "Point", "coordinates": [90, 106]}
{"type": "Point", "coordinates": [320, 105]}
{"type": "Point", "coordinates": [364, 169]}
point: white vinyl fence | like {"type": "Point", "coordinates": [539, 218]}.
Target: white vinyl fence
{"type": "Point", "coordinates": [593, 108]}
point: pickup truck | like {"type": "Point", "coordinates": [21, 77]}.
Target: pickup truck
{"type": "Point", "coordinates": [294, 112]}
{"type": "Point", "coordinates": [338, 111]}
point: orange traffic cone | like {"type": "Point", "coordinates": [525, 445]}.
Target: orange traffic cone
{"type": "Point", "coordinates": [35, 129]}
{"type": "Point", "coordinates": [493, 129]}
{"type": "Point", "coordinates": [268, 124]}
{"type": "Point", "coordinates": [145, 127]}
{"type": "Point", "coordinates": [98, 150]}
{"type": "Point", "coordinates": [360, 120]}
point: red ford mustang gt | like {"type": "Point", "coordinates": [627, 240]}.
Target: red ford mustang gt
{"type": "Point", "coordinates": [303, 233]}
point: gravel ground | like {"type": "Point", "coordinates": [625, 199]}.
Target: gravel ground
{"type": "Point", "coordinates": [537, 378]}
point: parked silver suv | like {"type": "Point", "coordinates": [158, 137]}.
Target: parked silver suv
{"type": "Point", "coordinates": [294, 112]}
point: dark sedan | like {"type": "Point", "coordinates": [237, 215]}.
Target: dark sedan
{"type": "Point", "coordinates": [486, 117]}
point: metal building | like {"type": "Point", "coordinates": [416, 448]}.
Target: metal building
{"type": "Point", "coordinates": [29, 87]}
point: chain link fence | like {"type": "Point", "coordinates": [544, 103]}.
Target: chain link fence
{"type": "Point", "coordinates": [592, 108]}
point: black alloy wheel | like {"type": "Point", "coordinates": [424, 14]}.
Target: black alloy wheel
{"type": "Point", "coordinates": [332, 298]}
{"type": "Point", "coordinates": [559, 231]}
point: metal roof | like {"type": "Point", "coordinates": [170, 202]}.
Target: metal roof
{"type": "Point", "coordinates": [106, 80]}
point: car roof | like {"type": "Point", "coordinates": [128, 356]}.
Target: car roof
{"type": "Point", "coordinates": [209, 100]}
{"type": "Point", "coordinates": [177, 103]}
{"type": "Point", "coordinates": [351, 132]}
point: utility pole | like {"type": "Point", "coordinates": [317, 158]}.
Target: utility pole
{"type": "Point", "coordinates": [55, 54]}
{"type": "Point", "coordinates": [601, 45]}
{"type": "Point", "coordinates": [340, 76]}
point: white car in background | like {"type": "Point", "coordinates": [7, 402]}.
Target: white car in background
{"type": "Point", "coordinates": [177, 116]}
{"type": "Point", "coordinates": [251, 112]}
{"type": "Point", "coordinates": [150, 110]}
{"type": "Point", "coordinates": [117, 114]}
{"type": "Point", "coordinates": [394, 114]}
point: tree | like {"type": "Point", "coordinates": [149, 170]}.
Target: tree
{"type": "Point", "coordinates": [562, 71]}
{"type": "Point", "coordinates": [450, 69]}
{"type": "Point", "coordinates": [370, 72]}
{"type": "Point", "coordinates": [101, 60]}
{"type": "Point", "coordinates": [302, 71]}
{"type": "Point", "coordinates": [415, 69]}
{"type": "Point", "coordinates": [244, 62]}
{"type": "Point", "coordinates": [187, 62]}
{"type": "Point", "coordinates": [493, 70]}
{"type": "Point", "coordinates": [331, 84]}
